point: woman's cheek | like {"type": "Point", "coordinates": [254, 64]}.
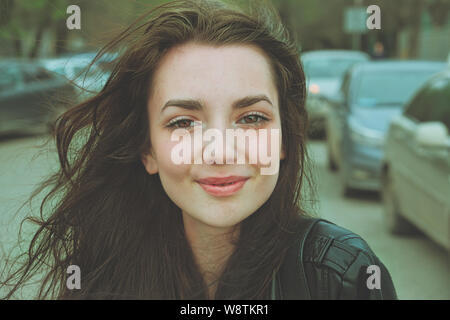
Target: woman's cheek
{"type": "Point", "coordinates": [167, 160]}
{"type": "Point", "coordinates": [269, 150]}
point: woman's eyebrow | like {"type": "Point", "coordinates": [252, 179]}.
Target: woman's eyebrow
{"type": "Point", "coordinates": [197, 105]}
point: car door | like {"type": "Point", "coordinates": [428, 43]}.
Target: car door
{"type": "Point", "coordinates": [11, 89]}
{"type": "Point", "coordinates": [421, 174]}
{"type": "Point", "coordinates": [436, 163]}
{"type": "Point", "coordinates": [403, 158]}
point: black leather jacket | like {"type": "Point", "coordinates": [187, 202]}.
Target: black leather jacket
{"type": "Point", "coordinates": [330, 262]}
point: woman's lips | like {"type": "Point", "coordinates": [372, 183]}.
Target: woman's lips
{"type": "Point", "coordinates": [222, 187]}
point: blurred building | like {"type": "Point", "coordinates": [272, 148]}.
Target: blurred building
{"type": "Point", "coordinates": [433, 40]}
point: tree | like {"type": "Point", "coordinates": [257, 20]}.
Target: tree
{"type": "Point", "coordinates": [319, 23]}
{"type": "Point", "coordinates": [23, 20]}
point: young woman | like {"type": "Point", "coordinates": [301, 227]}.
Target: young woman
{"type": "Point", "coordinates": [141, 225]}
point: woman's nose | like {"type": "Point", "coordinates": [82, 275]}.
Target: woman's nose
{"type": "Point", "coordinates": [218, 146]}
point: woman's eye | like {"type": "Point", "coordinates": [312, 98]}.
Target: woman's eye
{"type": "Point", "coordinates": [183, 123]}
{"type": "Point", "coordinates": [252, 119]}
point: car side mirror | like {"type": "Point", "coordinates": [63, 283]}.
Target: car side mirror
{"type": "Point", "coordinates": [432, 134]}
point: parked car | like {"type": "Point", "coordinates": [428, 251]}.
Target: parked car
{"type": "Point", "coordinates": [416, 168]}
{"type": "Point", "coordinates": [371, 94]}
{"type": "Point", "coordinates": [75, 68]}
{"type": "Point", "coordinates": [30, 96]}
{"type": "Point", "coordinates": [324, 70]}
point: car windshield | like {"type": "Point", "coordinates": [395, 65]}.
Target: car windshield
{"type": "Point", "coordinates": [384, 88]}
{"type": "Point", "coordinates": [328, 68]}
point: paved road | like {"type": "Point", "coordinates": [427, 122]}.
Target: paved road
{"type": "Point", "coordinates": [420, 269]}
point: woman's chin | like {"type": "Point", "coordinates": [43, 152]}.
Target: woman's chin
{"type": "Point", "coordinates": [217, 217]}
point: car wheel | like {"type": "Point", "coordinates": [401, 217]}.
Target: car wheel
{"type": "Point", "coordinates": [347, 191]}
{"type": "Point", "coordinates": [394, 221]}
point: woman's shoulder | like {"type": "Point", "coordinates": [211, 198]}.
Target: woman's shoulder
{"type": "Point", "coordinates": [346, 260]}
{"type": "Point", "coordinates": [336, 247]}
{"type": "Point", "coordinates": [324, 233]}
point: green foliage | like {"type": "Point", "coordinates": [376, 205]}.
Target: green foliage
{"type": "Point", "coordinates": [314, 23]}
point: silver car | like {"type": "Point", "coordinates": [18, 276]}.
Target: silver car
{"type": "Point", "coordinates": [416, 170]}
{"type": "Point", "coordinates": [30, 97]}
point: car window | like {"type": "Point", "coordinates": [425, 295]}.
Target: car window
{"type": "Point", "coordinates": [432, 103]}
{"type": "Point", "coordinates": [439, 102]}
{"type": "Point", "coordinates": [417, 108]}
{"type": "Point", "coordinates": [328, 67]}
{"type": "Point", "coordinates": [33, 74]}
{"type": "Point", "coordinates": [389, 87]}
{"type": "Point", "coordinates": [43, 74]}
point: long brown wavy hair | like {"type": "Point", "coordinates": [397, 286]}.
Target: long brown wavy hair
{"type": "Point", "coordinates": [107, 215]}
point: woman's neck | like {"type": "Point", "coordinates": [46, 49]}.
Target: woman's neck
{"type": "Point", "coordinates": [211, 247]}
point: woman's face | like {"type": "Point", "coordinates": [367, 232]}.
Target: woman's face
{"type": "Point", "coordinates": [199, 86]}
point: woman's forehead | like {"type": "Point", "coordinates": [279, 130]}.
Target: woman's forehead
{"type": "Point", "coordinates": [210, 72]}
